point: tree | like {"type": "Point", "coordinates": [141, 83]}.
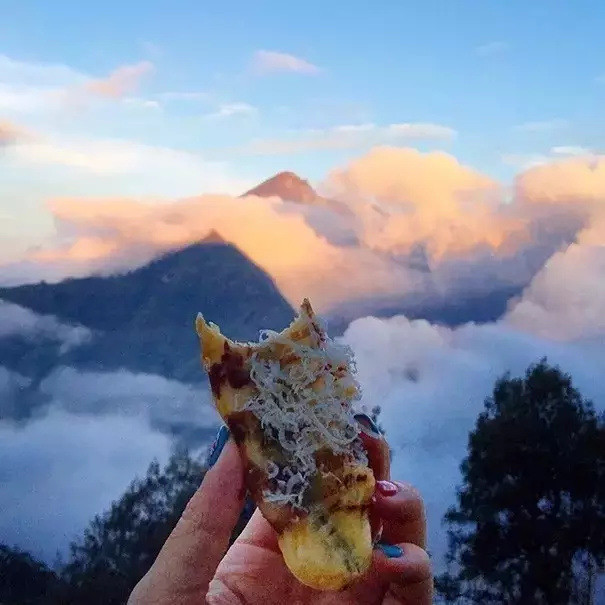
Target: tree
{"type": "Point", "coordinates": [24, 580]}
{"type": "Point", "coordinates": [531, 508]}
{"type": "Point", "coordinates": [120, 545]}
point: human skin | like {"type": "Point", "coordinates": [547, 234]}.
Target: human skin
{"type": "Point", "coordinates": [196, 565]}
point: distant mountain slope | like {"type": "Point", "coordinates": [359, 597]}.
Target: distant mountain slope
{"type": "Point", "coordinates": [143, 320]}
{"type": "Point", "coordinates": [287, 186]}
{"type": "Point", "coordinates": [290, 187]}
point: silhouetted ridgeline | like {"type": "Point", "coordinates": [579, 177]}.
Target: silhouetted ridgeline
{"type": "Point", "coordinates": [144, 320]}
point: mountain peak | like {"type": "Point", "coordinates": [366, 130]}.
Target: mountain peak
{"type": "Point", "coordinates": [213, 237]}
{"type": "Point", "coordinates": [287, 186]}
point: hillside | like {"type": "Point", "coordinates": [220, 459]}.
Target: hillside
{"type": "Point", "coordinates": [143, 320]}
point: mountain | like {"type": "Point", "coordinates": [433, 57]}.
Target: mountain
{"type": "Point", "coordinates": [290, 187]}
{"type": "Point", "coordinates": [451, 312]}
{"type": "Point", "coordinates": [287, 186]}
{"type": "Point", "coordinates": [143, 320]}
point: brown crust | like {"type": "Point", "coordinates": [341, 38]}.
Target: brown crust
{"type": "Point", "coordinates": [229, 370]}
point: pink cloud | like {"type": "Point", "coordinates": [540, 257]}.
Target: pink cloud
{"type": "Point", "coordinates": [267, 62]}
{"type": "Point", "coordinates": [120, 82]}
{"type": "Point", "coordinates": [11, 133]}
{"type": "Point", "coordinates": [399, 200]}
{"type": "Point", "coordinates": [431, 199]}
{"type": "Point", "coordinates": [571, 180]}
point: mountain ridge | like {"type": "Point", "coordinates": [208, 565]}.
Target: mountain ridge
{"type": "Point", "coordinates": [143, 320]}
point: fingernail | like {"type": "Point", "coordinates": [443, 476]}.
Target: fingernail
{"type": "Point", "coordinates": [249, 508]}
{"type": "Point", "coordinates": [217, 447]}
{"type": "Point", "coordinates": [368, 426]}
{"type": "Point", "coordinates": [386, 488]}
{"type": "Point", "coordinates": [390, 550]}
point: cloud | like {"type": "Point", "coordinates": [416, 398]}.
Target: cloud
{"type": "Point", "coordinates": [425, 198]}
{"type": "Point", "coordinates": [150, 170]}
{"type": "Point", "coordinates": [138, 103]}
{"type": "Point", "coordinates": [415, 370]}
{"type": "Point", "coordinates": [38, 74]}
{"type": "Point", "coordinates": [42, 90]}
{"type": "Point", "coordinates": [431, 380]}
{"type": "Point", "coordinates": [19, 321]}
{"type": "Point", "coordinates": [524, 161]}
{"type": "Point", "coordinates": [11, 385]}
{"type": "Point", "coordinates": [419, 228]}
{"type": "Point", "coordinates": [266, 62]}
{"type": "Point", "coordinates": [573, 180]}
{"type": "Point", "coordinates": [229, 110]}
{"type": "Point", "coordinates": [60, 470]}
{"type": "Point", "coordinates": [543, 125]}
{"type": "Point", "coordinates": [10, 134]}
{"type": "Point", "coordinates": [258, 226]}
{"type": "Point", "coordinates": [492, 48]}
{"type": "Point", "coordinates": [192, 95]}
{"type": "Point", "coordinates": [349, 136]}
{"type": "Point", "coordinates": [169, 406]}
{"type": "Point", "coordinates": [121, 81]}
{"type": "Point", "coordinates": [566, 299]}
{"type": "Point", "coordinates": [569, 150]}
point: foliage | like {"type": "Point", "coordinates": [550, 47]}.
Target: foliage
{"type": "Point", "coordinates": [532, 504]}
{"type": "Point", "coordinates": [25, 580]}
{"type": "Point", "coordinates": [119, 546]}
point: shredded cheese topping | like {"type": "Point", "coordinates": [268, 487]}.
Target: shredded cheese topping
{"type": "Point", "coordinates": [305, 403]}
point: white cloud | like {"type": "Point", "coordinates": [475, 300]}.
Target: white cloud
{"type": "Point", "coordinates": [164, 404]}
{"type": "Point", "coordinates": [524, 161]}
{"type": "Point", "coordinates": [150, 170]}
{"type": "Point", "coordinates": [348, 136]}
{"type": "Point", "coordinates": [29, 73]}
{"type": "Point", "coordinates": [569, 150]}
{"type": "Point", "coordinates": [228, 110]}
{"type": "Point", "coordinates": [16, 320]}
{"type": "Point", "coordinates": [268, 62]}
{"type": "Point", "coordinates": [543, 125]}
{"type": "Point", "coordinates": [566, 299]}
{"type": "Point", "coordinates": [431, 383]}
{"type": "Point", "coordinates": [40, 89]}
{"type": "Point", "coordinates": [492, 48]}
{"type": "Point", "coordinates": [193, 95]}
{"type": "Point", "coordinates": [139, 103]}
{"type": "Point", "coordinates": [60, 470]}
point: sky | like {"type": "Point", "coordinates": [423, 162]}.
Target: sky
{"type": "Point", "coordinates": [129, 99]}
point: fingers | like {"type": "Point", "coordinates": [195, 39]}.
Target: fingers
{"type": "Point", "coordinates": [258, 532]}
{"type": "Point", "coordinates": [188, 559]}
{"type": "Point", "coordinates": [401, 509]}
{"type": "Point", "coordinates": [407, 569]}
{"type": "Point", "coordinates": [377, 449]}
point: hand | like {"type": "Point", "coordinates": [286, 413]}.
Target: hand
{"type": "Point", "coordinates": [195, 567]}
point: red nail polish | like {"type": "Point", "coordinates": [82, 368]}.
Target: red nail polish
{"type": "Point", "coordinates": [386, 488]}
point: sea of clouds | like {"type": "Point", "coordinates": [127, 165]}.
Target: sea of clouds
{"type": "Point", "coordinates": [545, 234]}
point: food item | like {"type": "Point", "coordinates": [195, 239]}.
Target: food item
{"type": "Point", "coordinates": [288, 401]}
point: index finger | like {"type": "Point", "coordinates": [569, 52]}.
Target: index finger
{"type": "Point", "coordinates": [377, 449]}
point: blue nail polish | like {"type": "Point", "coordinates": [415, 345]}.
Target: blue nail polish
{"type": "Point", "coordinates": [249, 508]}
{"type": "Point", "coordinates": [368, 425]}
{"type": "Point", "coordinates": [217, 447]}
{"type": "Point", "coordinates": [390, 550]}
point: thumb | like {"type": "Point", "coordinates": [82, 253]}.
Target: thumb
{"type": "Point", "coordinates": [187, 562]}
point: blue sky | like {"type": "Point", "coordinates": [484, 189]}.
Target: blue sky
{"type": "Point", "coordinates": [500, 85]}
